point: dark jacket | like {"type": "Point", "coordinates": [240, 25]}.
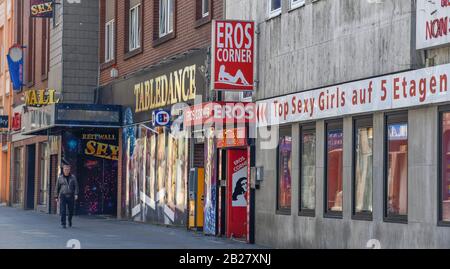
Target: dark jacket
{"type": "Point", "coordinates": [66, 186]}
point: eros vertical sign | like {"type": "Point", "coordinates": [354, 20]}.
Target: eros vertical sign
{"type": "Point", "coordinates": [233, 53]}
{"type": "Point", "coordinates": [433, 23]}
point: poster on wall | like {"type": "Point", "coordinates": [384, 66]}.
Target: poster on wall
{"type": "Point", "coordinates": [239, 178]}
{"type": "Point", "coordinates": [233, 55]}
{"type": "Point", "coordinates": [210, 212]}
{"type": "Point", "coordinates": [237, 173]}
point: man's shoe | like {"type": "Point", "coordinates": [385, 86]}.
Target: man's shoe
{"type": "Point", "coordinates": [70, 224]}
{"type": "Point", "coordinates": [64, 226]}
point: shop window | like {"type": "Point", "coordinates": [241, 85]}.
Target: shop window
{"type": "Point", "coordinates": [308, 171]}
{"type": "Point", "coordinates": [166, 17]}
{"type": "Point", "coordinates": [363, 168]}
{"type": "Point", "coordinates": [274, 8]}
{"type": "Point", "coordinates": [45, 174]}
{"type": "Point", "coordinates": [444, 203]}
{"type": "Point", "coordinates": [396, 169]}
{"type": "Point", "coordinates": [333, 169]}
{"type": "Point", "coordinates": [284, 170]}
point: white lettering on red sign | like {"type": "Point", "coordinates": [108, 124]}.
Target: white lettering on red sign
{"type": "Point", "coordinates": [233, 55]}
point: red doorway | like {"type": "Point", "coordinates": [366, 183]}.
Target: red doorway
{"type": "Point", "coordinates": [236, 193]}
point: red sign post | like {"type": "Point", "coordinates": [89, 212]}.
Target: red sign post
{"type": "Point", "coordinates": [233, 55]}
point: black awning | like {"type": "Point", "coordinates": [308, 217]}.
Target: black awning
{"type": "Point", "coordinates": [53, 118]}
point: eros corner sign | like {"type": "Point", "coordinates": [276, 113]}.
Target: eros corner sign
{"type": "Point", "coordinates": [233, 55]}
{"type": "Point", "coordinates": [41, 8]}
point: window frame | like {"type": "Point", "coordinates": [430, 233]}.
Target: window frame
{"type": "Point", "coordinates": [205, 14]}
{"type": "Point", "coordinates": [112, 48]}
{"type": "Point", "coordinates": [139, 26]}
{"type": "Point", "coordinates": [306, 128]}
{"type": "Point", "coordinates": [358, 122]}
{"type": "Point", "coordinates": [440, 222]}
{"type": "Point", "coordinates": [392, 118]}
{"type": "Point", "coordinates": [170, 4]}
{"type": "Point", "coordinates": [283, 130]}
{"type": "Point", "coordinates": [202, 18]}
{"type": "Point", "coordinates": [276, 12]}
{"type": "Point", "coordinates": [293, 5]}
{"type": "Point", "coordinates": [45, 46]}
{"type": "Point", "coordinates": [337, 124]}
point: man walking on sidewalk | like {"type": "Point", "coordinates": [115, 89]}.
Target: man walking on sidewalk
{"type": "Point", "coordinates": [66, 194]}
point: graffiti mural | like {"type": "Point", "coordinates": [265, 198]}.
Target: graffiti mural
{"type": "Point", "coordinates": [156, 176]}
{"type": "Point", "coordinates": [210, 187]}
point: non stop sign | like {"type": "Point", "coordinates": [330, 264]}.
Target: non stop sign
{"type": "Point", "coordinates": [233, 55]}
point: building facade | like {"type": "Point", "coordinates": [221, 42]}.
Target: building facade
{"type": "Point", "coordinates": [7, 22]}
{"type": "Point", "coordinates": [154, 59]}
{"type": "Point", "coordinates": [352, 129]}
{"type": "Point", "coordinates": [60, 76]}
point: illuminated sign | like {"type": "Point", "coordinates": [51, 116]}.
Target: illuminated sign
{"type": "Point", "coordinates": [37, 98]}
{"type": "Point", "coordinates": [41, 8]}
{"type": "Point", "coordinates": [161, 118]}
{"type": "Point", "coordinates": [97, 146]}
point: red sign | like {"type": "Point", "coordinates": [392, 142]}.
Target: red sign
{"type": "Point", "coordinates": [237, 186]}
{"type": "Point", "coordinates": [17, 122]}
{"type": "Point", "coordinates": [234, 137]}
{"type": "Point", "coordinates": [233, 59]}
{"type": "Point", "coordinates": [220, 112]}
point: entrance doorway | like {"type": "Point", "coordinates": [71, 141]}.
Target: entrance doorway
{"type": "Point", "coordinates": [31, 177]}
{"type": "Point", "coordinates": [236, 193]}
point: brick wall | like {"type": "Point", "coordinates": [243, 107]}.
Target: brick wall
{"type": "Point", "coordinates": [189, 34]}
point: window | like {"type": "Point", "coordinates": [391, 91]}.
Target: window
{"type": "Point", "coordinates": [274, 8]}
{"type": "Point", "coordinates": [2, 52]}
{"type": "Point", "coordinates": [44, 171]}
{"type": "Point", "coordinates": [205, 8]}
{"type": "Point", "coordinates": [57, 14]}
{"type": "Point", "coordinates": [396, 170]}
{"type": "Point", "coordinates": [444, 202]}
{"type": "Point", "coordinates": [297, 3]}
{"type": "Point", "coordinates": [109, 41]}
{"type": "Point", "coordinates": [333, 169]}
{"type": "Point", "coordinates": [284, 170]}
{"type": "Point", "coordinates": [109, 8]}
{"type": "Point", "coordinates": [362, 168]}
{"type": "Point", "coordinates": [45, 44]}
{"type": "Point", "coordinates": [135, 28]}
{"type": "Point", "coordinates": [308, 171]}
{"type": "Point", "coordinates": [30, 53]}
{"type": "Point", "coordinates": [166, 11]}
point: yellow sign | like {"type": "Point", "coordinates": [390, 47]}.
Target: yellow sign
{"type": "Point", "coordinates": [40, 97]}
{"type": "Point", "coordinates": [177, 87]}
{"type": "Point", "coordinates": [102, 150]}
